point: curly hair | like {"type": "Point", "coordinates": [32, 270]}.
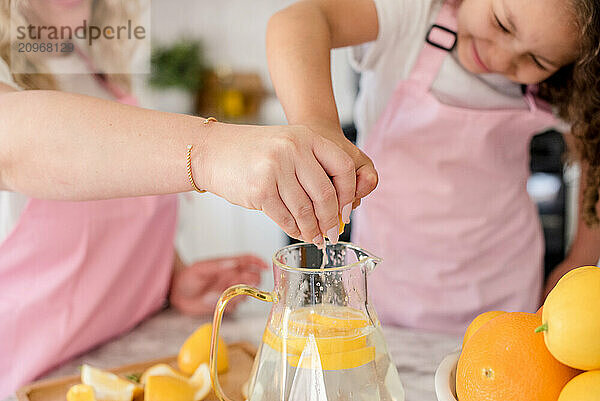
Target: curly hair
{"type": "Point", "coordinates": [575, 92]}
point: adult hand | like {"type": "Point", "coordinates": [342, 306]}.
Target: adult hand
{"type": "Point", "coordinates": [196, 288]}
{"type": "Point", "coordinates": [299, 179]}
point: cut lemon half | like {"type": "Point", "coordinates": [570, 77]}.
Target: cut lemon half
{"type": "Point", "coordinates": [108, 386]}
{"type": "Point", "coordinates": [81, 392]}
{"type": "Point", "coordinates": [167, 388]}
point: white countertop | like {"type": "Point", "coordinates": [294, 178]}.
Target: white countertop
{"type": "Point", "coordinates": [416, 354]}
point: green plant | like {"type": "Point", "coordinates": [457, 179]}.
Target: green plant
{"type": "Point", "coordinates": [179, 65]}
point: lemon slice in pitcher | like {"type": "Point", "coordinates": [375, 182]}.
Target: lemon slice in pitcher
{"type": "Point", "coordinates": [334, 318]}
{"type": "Point", "coordinates": [336, 361]}
{"type": "Point", "coordinates": [327, 321]}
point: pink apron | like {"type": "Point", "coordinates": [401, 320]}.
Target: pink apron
{"type": "Point", "coordinates": [75, 274]}
{"type": "Point", "coordinates": [451, 216]}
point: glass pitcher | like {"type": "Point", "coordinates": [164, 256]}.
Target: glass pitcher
{"type": "Point", "coordinates": [323, 340]}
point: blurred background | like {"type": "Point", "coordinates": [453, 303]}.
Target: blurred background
{"type": "Point", "coordinates": [209, 59]}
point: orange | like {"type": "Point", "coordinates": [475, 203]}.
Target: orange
{"type": "Point", "coordinates": [505, 360]}
{"type": "Point", "coordinates": [479, 321]}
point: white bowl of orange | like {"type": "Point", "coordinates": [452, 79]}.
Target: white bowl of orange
{"type": "Point", "coordinates": [445, 375]}
{"type": "Point", "coordinates": [503, 360]}
{"type": "Point", "coordinates": [445, 378]}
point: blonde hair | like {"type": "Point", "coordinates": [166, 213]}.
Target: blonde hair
{"type": "Point", "coordinates": [116, 52]}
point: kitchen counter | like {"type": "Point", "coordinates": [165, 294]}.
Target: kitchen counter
{"type": "Point", "coordinates": [416, 354]}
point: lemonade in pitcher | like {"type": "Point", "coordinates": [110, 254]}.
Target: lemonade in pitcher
{"type": "Point", "coordinates": [326, 353]}
{"type": "Point", "coordinates": [323, 341]}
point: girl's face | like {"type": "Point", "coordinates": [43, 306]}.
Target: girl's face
{"type": "Point", "coordinates": [526, 41]}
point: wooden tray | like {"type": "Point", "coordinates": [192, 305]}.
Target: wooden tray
{"type": "Point", "coordinates": [241, 357]}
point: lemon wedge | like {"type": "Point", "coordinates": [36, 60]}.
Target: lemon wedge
{"type": "Point", "coordinates": [108, 386]}
{"type": "Point", "coordinates": [161, 369]}
{"type": "Point", "coordinates": [200, 380]}
{"type": "Point", "coordinates": [81, 392]}
{"type": "Point", "coordinates": [196, 350]}
{"type": "Point", "coordinates": [167, 388]}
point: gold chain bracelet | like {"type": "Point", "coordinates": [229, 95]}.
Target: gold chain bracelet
{"type": "Point", "coordinates": [189, 161]}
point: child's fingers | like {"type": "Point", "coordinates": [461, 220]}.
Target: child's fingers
{"type": "Point", "coordinates": [323, 195]}
{"type": "Point", "coordinates": [366, 180]}
{"type": "Point", "coordinates": [253, 262]}
{"type": "Point", "coordinates": [300, 205]}
{"type": "Point", "coordinates": [277, 211]}
{"type": "Point", "coordinates": [248, 277]}
{"type": "Point", "coordinates": [341, 168]}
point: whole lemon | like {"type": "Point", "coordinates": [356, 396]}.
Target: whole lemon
{"type": "Point", "coordinates": [571, 319]}
{"type": "Point", "coordinates": [196, 350]}
{"type": "Point", "coordinates": [584, 387]}
{"type": "Point", "coordinates": [479, 321]}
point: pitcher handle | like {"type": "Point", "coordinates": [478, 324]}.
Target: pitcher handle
{"type": "Point", "coordinates": [229, 293]}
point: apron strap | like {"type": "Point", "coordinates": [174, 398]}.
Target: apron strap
{"type": "Point", "coordinates": [120, 95]}
{"type": "Point", "coordinates": [439, 42]}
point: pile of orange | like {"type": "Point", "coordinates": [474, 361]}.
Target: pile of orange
{"type": "Point", "coordinates": [523, 356]}
{"type": "Point", "coordinates": [506, 360]}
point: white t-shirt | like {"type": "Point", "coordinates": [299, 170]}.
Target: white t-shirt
{"type": "Point", "coordinates": [403, 25]}
{"type": "Point", "coordinates": [12, 203]}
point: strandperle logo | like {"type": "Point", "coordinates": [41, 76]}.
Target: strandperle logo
{"type": "Point", "coordinates": [88, 32]}
{"type": "Point", "coordinates": [112, 37]}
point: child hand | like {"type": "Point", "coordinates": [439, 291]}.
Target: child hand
{"type": "Point", "coordinates": [297, 178]}
{"type": "Point", "coordinates": [196, 288]}
{"type": "Point", "coordinates": [366, 175]}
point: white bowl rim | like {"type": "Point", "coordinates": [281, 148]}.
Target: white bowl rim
{"type": "Point", "coordinates": [445, 378]}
